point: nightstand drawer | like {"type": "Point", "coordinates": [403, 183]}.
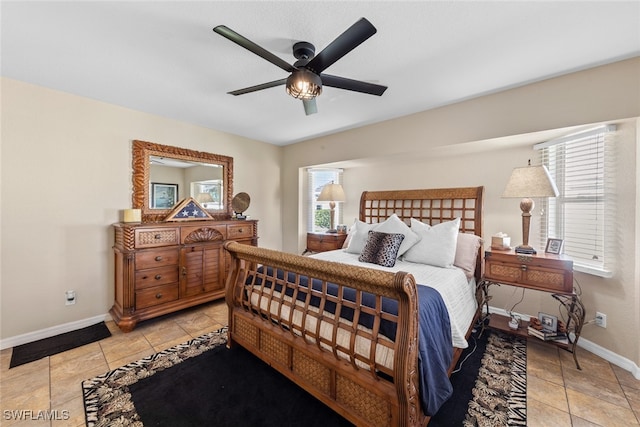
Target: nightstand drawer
{"type": "Point", "coordinates": [542, 272]}
{"type": "Point", "coordinates": [321, 242]}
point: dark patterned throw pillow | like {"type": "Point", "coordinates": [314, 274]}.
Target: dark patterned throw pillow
{"type": "Point", "coordinates": [381, 248]}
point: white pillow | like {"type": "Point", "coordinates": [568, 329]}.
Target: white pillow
{"type": "Point", "coordinates": [394, 225]}
{"type": "Point", "coordinates": [358, 237]}
{"type": "Point", "coordinates": [350, 233]}
{"type": "Point", "coordinates": [467, 253]}
{"type": "Point", "coordinates": [437, 245]}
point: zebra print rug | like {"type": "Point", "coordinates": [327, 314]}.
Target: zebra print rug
{"type": "Point", "coordinates": [107, 401]}
{"type": "Point", "coordinates": [498, 397]}
{"type": "Point", "coordinates": [500, 392]}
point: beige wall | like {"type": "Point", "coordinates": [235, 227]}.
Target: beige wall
{"type": "Point", "coordinates": [66, 176]}
{"type": "Point", "coordinates": [479, 142]}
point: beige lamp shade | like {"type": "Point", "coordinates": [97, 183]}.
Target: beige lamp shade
{"type": "Point", "coordinates": [332, 193]}
{"type": "Point", "coordinates": [527, 182]}
{"type": "Point", "coordinates": [530, 181]}
{"type": "Point", "coordinates": [204, 198]}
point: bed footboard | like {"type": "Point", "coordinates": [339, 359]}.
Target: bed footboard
{"type": "Point", "coordinates": [322, 325]}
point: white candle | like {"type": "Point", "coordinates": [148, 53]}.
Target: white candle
{"type": "Point", "coordinates": [132, 215]}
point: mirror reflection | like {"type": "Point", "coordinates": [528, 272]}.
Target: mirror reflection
{"type": "Point", "coordinates": [172, 180]}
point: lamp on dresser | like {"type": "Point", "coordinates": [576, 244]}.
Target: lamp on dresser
{"type": "Point", "coordinates": [204, 198]}
{"type": "Point", "coordinates": [332, 193]}
{"type": "Point", "coordinates": [526, 183]}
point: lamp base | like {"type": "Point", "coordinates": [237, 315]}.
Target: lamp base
{"type": "Point", "coordinates": [332, 231]}
{"type": "Point", "coordinates": [529, 250]}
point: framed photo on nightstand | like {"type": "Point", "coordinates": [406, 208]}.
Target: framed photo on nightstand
{"type": "Point", "coordinates": [549, 323]}
{"type": "Point", "coordinates": [554, 246]}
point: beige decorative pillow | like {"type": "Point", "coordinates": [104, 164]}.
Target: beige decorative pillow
{"type": "Point", "coordinates": [467, 253]}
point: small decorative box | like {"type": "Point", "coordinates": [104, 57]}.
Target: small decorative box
{"type": "Point", "coordinates": [500, 241]}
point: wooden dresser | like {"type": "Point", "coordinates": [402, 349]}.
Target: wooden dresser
{"type": "Point", "coordinates": [164, 267]}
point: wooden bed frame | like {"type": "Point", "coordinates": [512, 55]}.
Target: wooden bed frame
{"type": "Point", "coordinates": [351, 382]}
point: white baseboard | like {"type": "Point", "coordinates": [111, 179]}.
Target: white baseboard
{"type": "Point", "coordinates": [608, 355]}
{"type": "Point", "coordinates": [52, 331]}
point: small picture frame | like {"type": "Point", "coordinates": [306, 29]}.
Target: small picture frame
{"type": "Point", "coordinates": [554, 246]}
{"type": "Point", "coordinates": [163, 196]}
{"type": "Point", "coordinates": [342, 229]}
{"type": "Point", "coordinates": [549, 323]}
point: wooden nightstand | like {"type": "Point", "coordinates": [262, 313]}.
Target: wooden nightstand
{"type": "Point", "coordinates": [321, 242]}
{"type": "Point", "coordinates": [542, 272]}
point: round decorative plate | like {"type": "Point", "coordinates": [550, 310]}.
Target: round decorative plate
{"type": "Point", "coordinates": [240, 202]}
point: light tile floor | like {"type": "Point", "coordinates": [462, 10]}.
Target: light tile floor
{"type": "Point", "coordinates": [557, 393]}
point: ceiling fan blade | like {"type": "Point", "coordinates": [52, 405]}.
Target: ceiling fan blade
{"type": "Point", "coordinates": [310, 106]}
{"type": "Point", "coordinates": [350, 84]}
{"type": "Point", "coordinates": [258, 87]}
{"type": "Point", "coordinates": [343, 44]}
{"type": "Point", "coordinates": [251, 46]}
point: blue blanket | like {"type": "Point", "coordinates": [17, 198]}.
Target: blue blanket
{"type": "Point", "coordinates": [435, 347]}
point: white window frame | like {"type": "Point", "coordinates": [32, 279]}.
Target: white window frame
{"type": "Point", "coordinates": [583, 214]}
{"type": "Point", "coordinates": [316, 179]}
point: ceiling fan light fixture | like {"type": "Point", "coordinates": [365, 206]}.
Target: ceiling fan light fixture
{"type": "Point", "coordinates": [304, 84]}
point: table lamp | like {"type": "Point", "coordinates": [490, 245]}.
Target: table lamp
{"type": "Point", "coordinates": [332, 193]}
{"type": "Point", "coordinates": [526, 183]}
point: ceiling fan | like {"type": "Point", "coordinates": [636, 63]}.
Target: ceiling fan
{"type": "Point", "coordinates": [307, 78]}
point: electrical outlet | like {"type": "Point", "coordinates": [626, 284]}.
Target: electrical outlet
{"type": "Point", "coordinates": [601, 319]}
{"type": "Point", "coordinates": [70, 297]}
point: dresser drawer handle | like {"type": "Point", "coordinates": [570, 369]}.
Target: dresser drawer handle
{"type": "Point", "coordinates": [158, 258]}
{"type": "Point", "coordinates": [239, 230]}
{"type": "Point", "coordinates": [158, 295]}
{"type": "Point", "coordinates": [523, 267]}
{"type": "Point", "coordinates": [157, 237]}
{"type": "Point", "coordinates": [158, 276]}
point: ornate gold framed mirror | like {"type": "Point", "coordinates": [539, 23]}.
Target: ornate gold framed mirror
{"type": "Point", "coordinates": [164, 175]}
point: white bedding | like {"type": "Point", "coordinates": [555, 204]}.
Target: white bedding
{"type": "Point", "coordinates": [457, 292]}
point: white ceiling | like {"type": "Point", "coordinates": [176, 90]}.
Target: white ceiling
{"type": "Point", "coordinates": [163, 57]}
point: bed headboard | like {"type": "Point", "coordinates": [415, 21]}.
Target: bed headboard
{"type": "Point", "coordinates": [431, 206]}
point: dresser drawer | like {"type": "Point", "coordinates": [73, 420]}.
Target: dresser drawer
{"type": "Point", "coordinates": [154, 237]}
{"type": "Point", "coordinates": [156, 276]}
{"type": "Point", "coordinates": [156, 295]}
{"type": "Point", "coordinates": [152, 259]}
{"type": "Point", "coordinates": [240, 231]}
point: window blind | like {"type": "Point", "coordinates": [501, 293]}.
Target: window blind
{"type": "Point", "coordinates": [583, 214]}
{"type": "Point", "coordinates": [317, 178]}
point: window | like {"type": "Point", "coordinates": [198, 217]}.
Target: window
{"type": "Point", "coordinates": [318, 218]}
{"type": "Point", "coordinates": [583, 213]}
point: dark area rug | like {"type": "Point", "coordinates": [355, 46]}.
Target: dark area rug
{"type": "Point", "coordinates": [29, 352]}
{"type": "Point", "coordinates": [240, 390]}
{"type": "Point", "coordinates": [204, 383]}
